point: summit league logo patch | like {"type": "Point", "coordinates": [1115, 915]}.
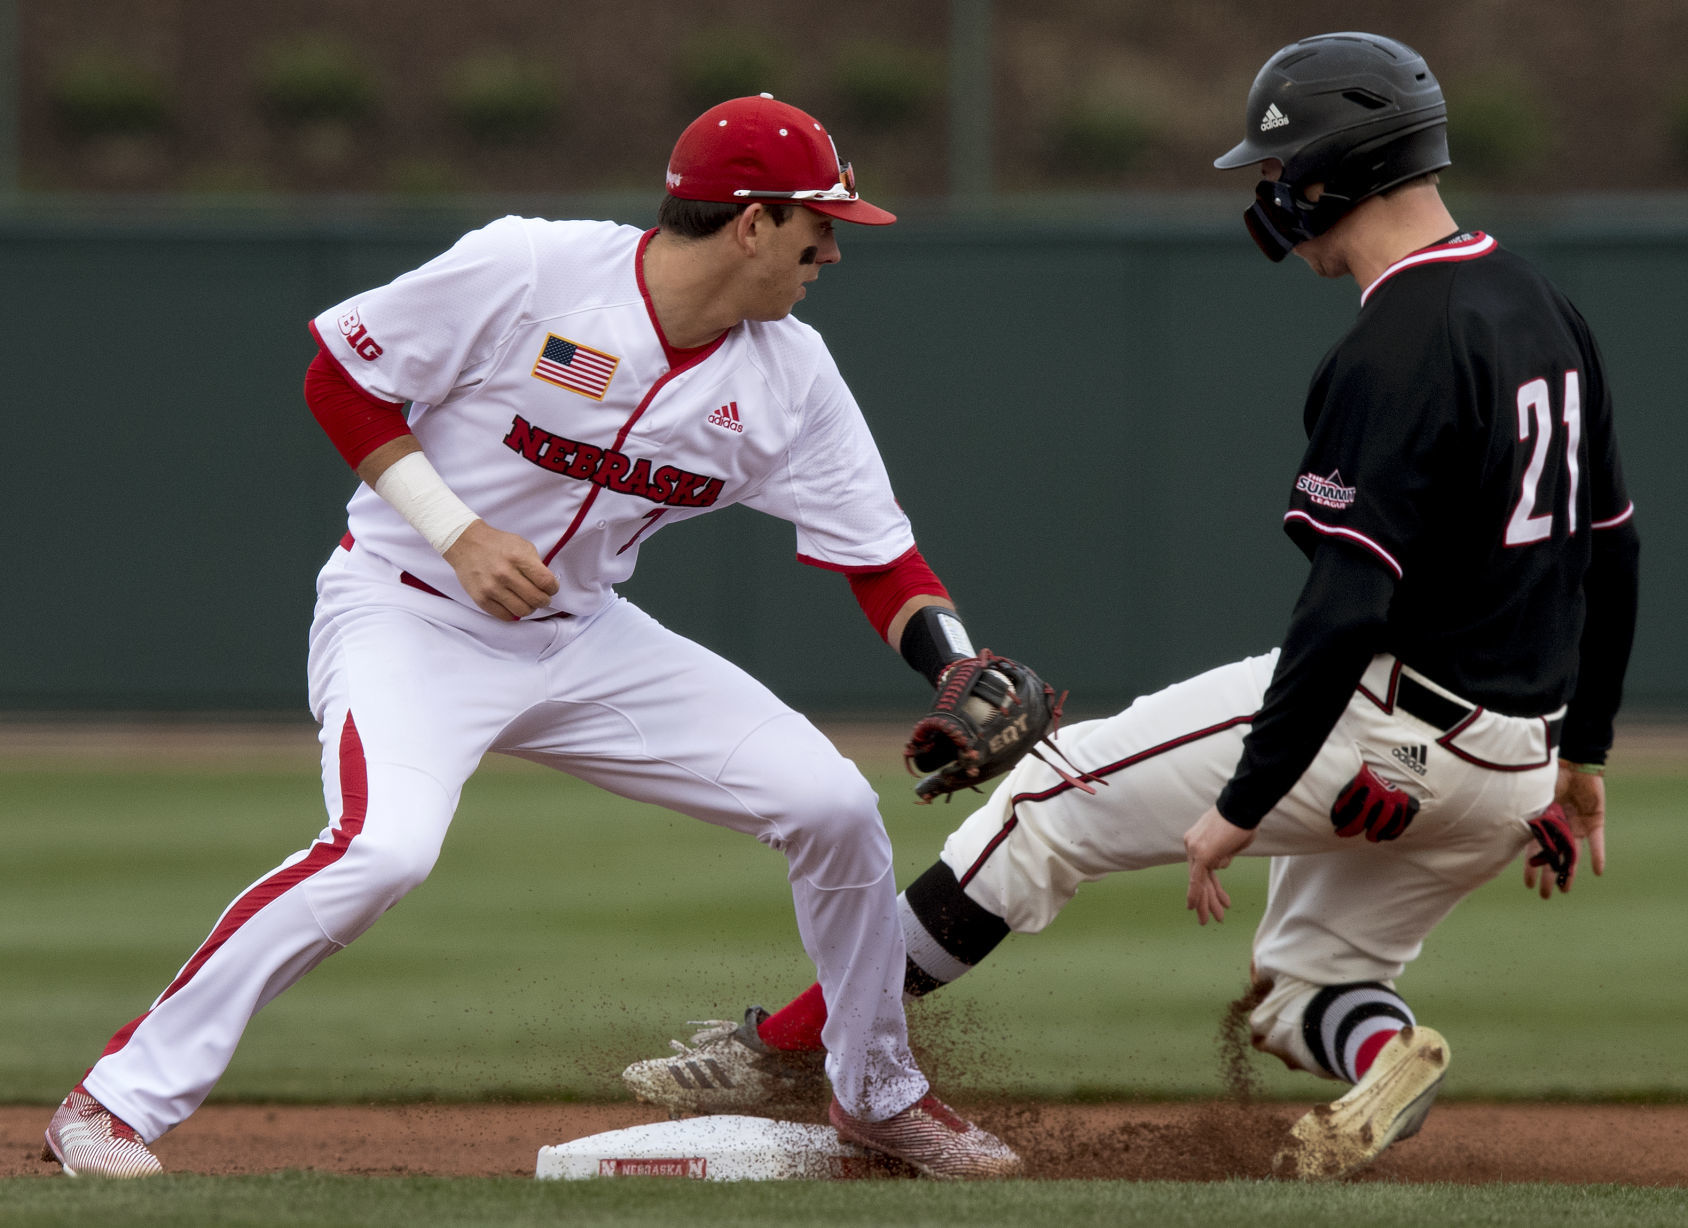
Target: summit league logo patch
{"type": "Point", "coordinates": [1326, 491]}
{"type": "Point", "coordinates": [1273, 118]}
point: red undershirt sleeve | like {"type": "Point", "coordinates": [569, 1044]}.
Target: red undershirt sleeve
{"type": "Point", "coordinates": [355, 422]}
{"type": "Point", "coordinates": [883, 592]}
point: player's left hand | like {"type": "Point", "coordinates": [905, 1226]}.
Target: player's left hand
{"type": "Point", "coordinates": [1209, 845]}
{"type": "Point", "coordinates": [1578, 813]}
{"type": "Point", "coordinates": [1582, 796]}
{"type": "Point", "coordinates": [989, 712]}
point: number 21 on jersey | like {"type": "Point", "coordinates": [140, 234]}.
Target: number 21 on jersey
{"type": "Point", "coordinates": [1535, 425]}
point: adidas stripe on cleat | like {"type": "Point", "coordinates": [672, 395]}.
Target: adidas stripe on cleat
{"type": "Point", "coordinates": [89, 1142]}
{"type": "Point", "coordinates": [728, 1068]}
{"type": "Point", "coordinates": [934, 1138]}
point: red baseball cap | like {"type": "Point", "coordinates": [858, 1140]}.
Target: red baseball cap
{"type": "Point", "coordinates": [759, 148]}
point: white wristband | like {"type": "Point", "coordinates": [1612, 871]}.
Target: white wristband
{"type": "Point", "coordinates": [418, 493]}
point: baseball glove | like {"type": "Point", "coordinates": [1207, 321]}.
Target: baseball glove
{"type": "Point", "coordinates": [989, 712]}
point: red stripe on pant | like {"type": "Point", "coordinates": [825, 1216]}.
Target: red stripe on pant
{"type": "Point", "coordinates": [354, 806]}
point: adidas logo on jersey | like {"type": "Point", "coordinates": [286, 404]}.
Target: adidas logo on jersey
{"type": "Point", "coordinates": [1273, 118]}
{"type": "Point", "coordinates": [1415, 758]}
{"type": "Point", "coordinates": [727, 417]}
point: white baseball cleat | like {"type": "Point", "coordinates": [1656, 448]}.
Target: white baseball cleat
{"type": "Point", "coordinates": [729, 1069]}
{"type": "Point", "coordinates": [89, 1142]}
{"type": "Point", "coordinates": [1387, 1105]}
{"type": "Point", "coordinates": [934, 1138]}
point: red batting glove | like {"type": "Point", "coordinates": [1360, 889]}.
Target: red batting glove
{"type": "Point", "coordinates": [1558, 852]}
{"type": "Point", "coordinates": [1372, 805]}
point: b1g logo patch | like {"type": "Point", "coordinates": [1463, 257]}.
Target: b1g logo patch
{"type": "Point", "coordinates": [1326, 492]}
{"type": "Point", "coordinates": [357, 336]}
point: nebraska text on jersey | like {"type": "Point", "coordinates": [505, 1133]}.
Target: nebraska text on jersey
{"type": "Point", "coordinates": [611, 469]}
{"type": "Point", "coordinates": [1326, 492]}
{"type": "Point", "coordinates": [579, 368]}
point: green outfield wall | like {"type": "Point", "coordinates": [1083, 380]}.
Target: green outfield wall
{"type": "Point", "coordinates": [1090, 411]}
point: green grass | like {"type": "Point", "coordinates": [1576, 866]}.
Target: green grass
{"type": "Point", "coordinates": [566, 932]}
{"type": "Point", "coordinates": [309, 1199]}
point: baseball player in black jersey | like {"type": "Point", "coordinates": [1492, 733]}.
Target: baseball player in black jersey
{"type": "Point", "coordinates": [1444, 695]}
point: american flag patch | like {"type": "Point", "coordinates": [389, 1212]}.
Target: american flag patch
{"type": "Point", "coordinates": [579, 368]}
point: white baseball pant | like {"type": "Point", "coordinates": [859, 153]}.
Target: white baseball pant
{"type": "Point", "coordinates": [1338, 909]}
{"type": "Point", "coordinates": [412, 689]}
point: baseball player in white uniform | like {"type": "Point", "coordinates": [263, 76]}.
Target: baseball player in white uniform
{"type": "Point", "coordinates": [574, 387]}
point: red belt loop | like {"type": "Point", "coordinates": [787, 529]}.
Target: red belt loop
{"type": "Point", "coordinates": [406, 578]}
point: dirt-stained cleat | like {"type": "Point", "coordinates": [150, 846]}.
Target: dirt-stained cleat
{"type": "Point", "coordinates": [934, 1138]}
{"type": "Point", "coordinates": [728, 1068]}
{"type": "Point", "coordinates": [89, 1142]}
{"type": "Point", "coordinates": [1387, 1105]}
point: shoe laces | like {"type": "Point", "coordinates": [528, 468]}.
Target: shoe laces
{"type": "Point", "coordinates": [713, 1030]}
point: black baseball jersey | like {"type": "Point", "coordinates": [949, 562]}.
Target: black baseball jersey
{"type": "Point", "coordinates": [1461, 454]}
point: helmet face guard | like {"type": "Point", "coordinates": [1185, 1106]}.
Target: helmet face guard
{"type": "Point", "coordinates": [1281, 218]}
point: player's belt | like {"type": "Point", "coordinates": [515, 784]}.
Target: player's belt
{"type": "Point", "coordinates": [405, 578]}
{"type": "Point", "coordinates": [1445, 712]}
{"type": "Point", "coordinates": [1416, 699]}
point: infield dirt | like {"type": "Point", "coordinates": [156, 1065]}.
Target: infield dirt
{"type": "Point", "coordinates": [1467, 1144]}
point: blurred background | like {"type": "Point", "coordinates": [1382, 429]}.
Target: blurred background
{"type": "Point", "coordinates": [428, 97]}
{"type": "Point", "coordinates": [1085, 380]}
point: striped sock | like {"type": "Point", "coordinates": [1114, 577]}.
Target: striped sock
{"type": "Point", "coordinates": [1367, 1052]}
{"type": "Point", "coordinates": [1346, 1025]}
{"type": "Point", "coordinates": [945, 934]}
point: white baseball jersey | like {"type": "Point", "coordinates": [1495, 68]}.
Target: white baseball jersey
{"type": "Point", "coordinates": [544, 395]}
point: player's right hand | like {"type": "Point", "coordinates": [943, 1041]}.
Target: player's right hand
{"type": "Point", "coordinates": [1209, 845]}
{"type": "Point", "coordinates": [501, 571]}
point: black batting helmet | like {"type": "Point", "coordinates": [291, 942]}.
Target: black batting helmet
{"type": "Point", "coordinates": [1357, 113]}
